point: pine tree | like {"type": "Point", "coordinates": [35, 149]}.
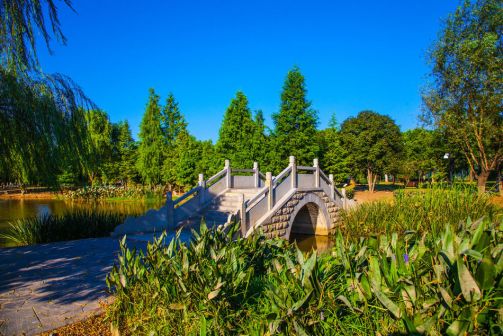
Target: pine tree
{"type": "Point", "coordinates": [259, 143]}
{"type": "Point", "coordinates": [188, 155]}
{"type": "Point", "coordinates": [126, 147]}
{"type": "Point", "coordinates": [151, 149]}
{"type": "Point", "coordinates": [173, 125]}
{"type": "Point", "coordinates": [295, 124]}
{"type": "Point", "coordinates": [333, 156]}
{"type": "Point", "coordinates": [235, 135]}
{"type": "Point", "coordinates": [172, 120]}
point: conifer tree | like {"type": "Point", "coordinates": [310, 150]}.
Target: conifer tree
{"type": "Point", "coordinates": [126, 148]}
{"type": "Point", "coordinates": [295, 124]}
{"type": "Point", "coordinates": [258, 150]}
{"type": "Point", "coordinates": [235, 137]}
{"type": "Point", "coordinates": [172, 120]}
{"type": "Point", "coordinates": [151, 149]}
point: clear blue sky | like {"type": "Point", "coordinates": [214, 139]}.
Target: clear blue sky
{"type": "Point", "coordinates": [355, 55]}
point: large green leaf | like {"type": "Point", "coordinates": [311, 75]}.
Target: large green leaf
{"type": "Point", "coordinates": [469, 287]}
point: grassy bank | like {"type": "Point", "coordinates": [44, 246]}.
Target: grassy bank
{"type": "Point", "coordinates": [444, 283]}
{"type": "Point", "coordinates": [51, 228]}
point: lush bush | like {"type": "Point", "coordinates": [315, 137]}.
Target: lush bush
{"type": "Point", "coordinates": [73, 225]}
{"type": "Point", "coordinates": [422, 210]}
{"type": "Point", "coordinates": [114, 192]}
{"type": "Point", "coordinates": [448, 283]}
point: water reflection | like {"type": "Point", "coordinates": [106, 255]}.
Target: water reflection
{"type": "Point", "coordinates": [12, 209]}
{"type": "Point", "coordinates": [308, 243]}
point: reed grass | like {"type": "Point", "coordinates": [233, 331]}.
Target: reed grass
{"type": "Point", "coordinates": [423, 210]}
{"type": "Point", "coordinates": [72, 225]}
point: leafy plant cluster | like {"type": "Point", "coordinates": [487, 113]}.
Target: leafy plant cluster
{"type": "Point", "coordinates": [73, 225]}
{"type": "Point", "coordinates": [431, 283]}
{"type": "Point", "coordinates": [136, 192]}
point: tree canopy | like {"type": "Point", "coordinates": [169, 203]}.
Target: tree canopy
{"type": "Point", "coordinates": [295, 124]}
{"type": "Point", "coordinates": [374, 143]}
{"type": "Point", "coordinates": [465, 93]}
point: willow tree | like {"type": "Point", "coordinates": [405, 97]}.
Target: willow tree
{"type": "Point", "coordinates": [42, 122]}
{"type": "Point", "coordinates": [465, 94]}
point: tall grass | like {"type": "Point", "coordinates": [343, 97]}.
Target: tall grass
{"type": "Point", "coordinates": [73, 225]}
{"type": "Point", "coordinates": [446, 283]}
{"type": "Point", "coordinates": [426, 210]}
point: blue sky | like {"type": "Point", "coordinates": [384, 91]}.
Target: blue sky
{"type": "Point", "coordinates": [355, 55]}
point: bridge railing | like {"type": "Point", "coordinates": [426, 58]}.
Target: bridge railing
{"type": "Point", "coordinates": [288, 181]}
{"type": "Point", "coordinates": [201, 196]}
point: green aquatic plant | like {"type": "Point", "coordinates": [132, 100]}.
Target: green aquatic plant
{"type": "Point", "coordinates": [447, 282]}
{"type": "Point", "coordinates": [69, 226]}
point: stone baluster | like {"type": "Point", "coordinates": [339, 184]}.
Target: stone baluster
{"type": "Point", "coordinates": [256, 176]}
{"type": "Point", "coordinates": [268, 183]}
{"type": "Point", "coordinates": [202, 189]}
{"type": "Point", "coordinates": [316, 173]}
{"type": "Point", "coordinates": [293, 174]}
{"type": "Point", "coordinates": [228, 174]}
{"type": "Point", "coordinates": [332, 186]}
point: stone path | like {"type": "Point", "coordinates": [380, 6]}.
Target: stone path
{"type": "Point", "coordinates": [46, 286]}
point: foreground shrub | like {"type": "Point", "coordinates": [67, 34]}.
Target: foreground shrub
{"type": "Point", "coordinates": [448, 283]}
{"type": "Point", "coordinates": [428, 210]}
{"type": "Point", "coordinates": [51, 228]}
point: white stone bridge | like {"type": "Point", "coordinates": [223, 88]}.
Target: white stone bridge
{"type": "Point", "coordinates": [300, 199]}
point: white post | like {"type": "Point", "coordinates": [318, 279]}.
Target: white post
{"type": "Point", "coordinates": [256, 177]}
{"type": "Point", "coordinates": [293, 174]}
{"type": "Point", "coordinates": [243, 215]}
{"type": "Point", "coordinates": [268, 183]}
{"type": "Point", "coordinates": [344, 199]}
{"type": "Point", "coordinates": [332, 186]}
{"type": "Point", "coordinates": [202, 186]}
{"type": "Point", "coordinates": [228, 177]}
{"type": "Point", "coordinates": [316, 173]}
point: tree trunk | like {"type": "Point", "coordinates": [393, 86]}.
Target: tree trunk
{"type": "Point", "coordinates": [386, 178]}
{"type": "Point", "coordinates": [481, 181]}
{"type": "Point", "coordinates": [371, 180]}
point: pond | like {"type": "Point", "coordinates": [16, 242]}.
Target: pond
{"type": "Point", "coordinates": [12, 209]}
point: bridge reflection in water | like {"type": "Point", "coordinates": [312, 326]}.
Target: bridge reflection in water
{"type": "Point", "coordinates": [308, 242]}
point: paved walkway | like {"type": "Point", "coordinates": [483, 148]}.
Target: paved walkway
{"type": "Point", "coordinates": [43, 287]}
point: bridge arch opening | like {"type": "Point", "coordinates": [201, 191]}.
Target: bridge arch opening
{"type": "Point", "coordinates": [309, 228]}
{"type": "Point", "coordinates": [308, 220]}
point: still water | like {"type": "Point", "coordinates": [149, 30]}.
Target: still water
{"type": "Point", "coordinates": [12, 209]}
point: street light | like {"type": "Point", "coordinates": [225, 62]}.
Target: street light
{"type": "Point", "coordinates": [447, 156]}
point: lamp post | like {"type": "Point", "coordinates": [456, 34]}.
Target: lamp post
{"type": "Point", "coordinates": [447, 156]}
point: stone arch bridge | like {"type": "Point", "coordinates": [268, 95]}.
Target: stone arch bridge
{"type": "Point", "coordinates": [301, 199]}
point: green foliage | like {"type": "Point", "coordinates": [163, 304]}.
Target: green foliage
{"type": "Point", "coordinates": [235, 136]}
{"type": "Point", "coordinates": [152, 142]}
{"type": "Point", "coordinates": [422, 210]}
{"type": "Point", "coordinates": [99, 151]}
{"type": "Point", "coordinates": [433, 283]}
{"type": "Point", "coordinates": [259, 141]}
{"type": "Point", "coordinates": [42, 128]}
{"type": "Point", "coordinates": [334, 158]}
{"type": "Point", "coordinates": [374, 143]}
{"type": "Point", "coordinates": [18, 23]}
{"type": "Point", "coordinates": [295, 125]}
{"type": "Point", "coordinates": [465, 94]}
{"type": "Point", "coordinates": [70, 226]}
